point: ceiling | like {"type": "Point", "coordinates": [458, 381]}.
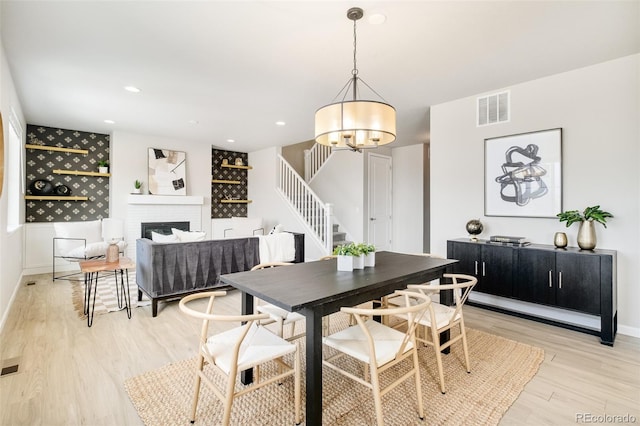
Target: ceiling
{"type": "Point", "coordinates": [210, 71]}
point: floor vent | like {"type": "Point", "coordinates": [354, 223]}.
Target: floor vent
{"type": "Point", "coordinates": [9, 370]}
{"type": "Point", "coordinates": [10, 366]}
{"type": "Point", "coordinates": [31, 283]}
{"type": "Point", "coordinates": [493, 109]}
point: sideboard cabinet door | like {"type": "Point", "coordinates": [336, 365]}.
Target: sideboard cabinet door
{"type": "Point", "coordinates": [491, 264]}
{"type": "Point", "coordinates": [578, 282]}
{"type": "Point", "coordinates": [535, 276]}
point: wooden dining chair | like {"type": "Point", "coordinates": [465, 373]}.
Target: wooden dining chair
{"type": "Point", "coordinates": [278, 315]}
{"type": "Point", "coordinates": [238, 349]}
{"type": "Point", "coordinates": [442, 318]}
{"type": "Point", "coordinates": [380, 347]}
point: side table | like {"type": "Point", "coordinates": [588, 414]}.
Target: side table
{"type": "Point", "coordinates": [91, 270]}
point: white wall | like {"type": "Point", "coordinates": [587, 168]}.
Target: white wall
{"type": "Point", "coordinates": [341, 182]}
{"type": "Point", "coordinates": [408, 190]}
{"type": "Point", "coordinates": [11, 243]}
{"type": "Point", "coordinates": [598, 109]}
{"type": "Point", "coordinates": [129, 162]}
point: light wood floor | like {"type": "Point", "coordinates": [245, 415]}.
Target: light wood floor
{"type": "Point", "coordinates": [70, 374]}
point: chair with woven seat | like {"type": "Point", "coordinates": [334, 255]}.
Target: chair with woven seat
{"type": "Point", "coordinates": [442, 318]}
{"type": "Point", "coordinates": [240, 348]}
{"type": "Point", "coordinates": [278, 315]}
{"type": "Point", "coordinates": [380, 347]}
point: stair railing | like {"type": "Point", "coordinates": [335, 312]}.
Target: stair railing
{"type": "Point", "coordinates": [315, 214]}
{"type": "Point", "coordinates": [314, 159]}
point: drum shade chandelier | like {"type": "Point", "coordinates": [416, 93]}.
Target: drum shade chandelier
{"type": "Point", "coordinates": [355, 124]}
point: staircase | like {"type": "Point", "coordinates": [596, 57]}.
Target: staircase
{"type": "Point", "coordinates": [314, 214]}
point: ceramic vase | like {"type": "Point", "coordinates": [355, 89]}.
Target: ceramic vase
{"type": "Point", "coordinates": [370, 259]}
{"type": "Point", "coordinates": [345, 263]}
{"type": "Point", "coordinates": [358, 262]}
{"type": "Point", "coordinates": [587, 235]}
{"type": "Point", "coordinates": [560, 239]}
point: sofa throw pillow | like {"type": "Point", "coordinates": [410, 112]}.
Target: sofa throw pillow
{"type": "Point", "coordinates": [188, 236]}
{"type": "Point", "coordinates": [162, 238]}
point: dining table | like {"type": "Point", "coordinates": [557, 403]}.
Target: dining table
{"type": "Point", "coordinates": [316, 289]}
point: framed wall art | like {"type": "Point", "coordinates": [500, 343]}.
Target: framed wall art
{"type": "Point", "coordinates": [167, 172]}
{"type": "Point", "coordinates": [523, 174]}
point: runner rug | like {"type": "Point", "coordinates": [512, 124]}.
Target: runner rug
{"type": "Point", "coordinates": [500, 369]}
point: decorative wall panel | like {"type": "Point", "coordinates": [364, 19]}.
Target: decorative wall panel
{"type": "Point", "coordinates": [40, 165]}
{"type": "Point", "coordinates": [235, 185]}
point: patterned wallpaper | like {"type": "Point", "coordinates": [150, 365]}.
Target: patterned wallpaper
{"type": "Point", "coordinates": [40, 165]}
{"type": "Point", "coordinates": [225, 190]}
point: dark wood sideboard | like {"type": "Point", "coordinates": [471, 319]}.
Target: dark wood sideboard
{"type": "Point", "coordinates": [570, 279]}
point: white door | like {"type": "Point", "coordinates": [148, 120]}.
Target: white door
{"type": "Point", "coordinates": [379, 201]}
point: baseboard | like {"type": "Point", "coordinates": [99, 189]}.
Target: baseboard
{"type": "Point", "coordinates": [11, 300]}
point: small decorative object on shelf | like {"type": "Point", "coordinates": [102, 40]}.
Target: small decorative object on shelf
{"type": "Point", "coordinates": [560, 240]}
{"type": "Point", "coordinates": [63, 190]}
{"type": "Point", "coordinates": [474, 228]}
{"type": "Point", "coordinates": [41, 187]}
{"type": "Point", "coordinates": [103, 166]}
{"type": "Point", "coordinates": [225, 161]}
{"type": "Point", "coordinates": [239, 162]}
{"type": "Point", "coordinates": [137, 187]}
{"type": "Point", "coordinates": [587, 231]}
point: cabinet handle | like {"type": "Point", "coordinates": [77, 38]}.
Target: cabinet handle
{"type": "Point", "coordinates": [476, 262]}
{"type": "Point", "coordinates": [483, 270]}
{"type": "Point", "coordinates": [550, 280]}
{"type": "Point", "coordinates": [560, 279]}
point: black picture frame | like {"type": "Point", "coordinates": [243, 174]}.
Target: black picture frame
{"type": "Point", "coordinates": [523, 174]}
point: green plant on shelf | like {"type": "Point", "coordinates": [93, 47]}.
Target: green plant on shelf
{"type": "Point", "coordinates": [593, 213]}
{"type": "Point", "coordinates": [103, 163]}
{"type": "Point", "coordinates": [137, 184]}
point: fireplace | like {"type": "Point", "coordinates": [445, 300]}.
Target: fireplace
{"type": "Point", "coordinates": [163, 228]}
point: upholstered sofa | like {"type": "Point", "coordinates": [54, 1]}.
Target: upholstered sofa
{"type": "Point", "coordinates": [172, 270]}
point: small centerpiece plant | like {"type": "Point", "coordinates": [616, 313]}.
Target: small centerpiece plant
{"type": "Point", "coordinates": [586, 233]}
{"type": "Point", "coordinates": [369, 251]}
{"type": "Point", "coordinates": [590, 213]}
{"type": "Point", "coordinates": [354, 256]}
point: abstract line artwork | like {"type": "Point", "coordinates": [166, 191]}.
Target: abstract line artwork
{"type": "Point", "coordinates": [167, 172]}
{"type": "Point", "coordinates": [523, 175]}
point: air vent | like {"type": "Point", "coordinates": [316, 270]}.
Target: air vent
{"type": "Point", "coordinates": [493, 109]}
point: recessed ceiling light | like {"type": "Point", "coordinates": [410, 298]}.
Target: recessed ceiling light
{"type": "Point", "coordinates": [231, 140]}
{"type": "Point", "coordinates": [132, 89]}
{"type": "Point", "coordinates": [377, 18]}
{"type": "Point", "coordinates": [193, 122]}
{"type": "Point", "coordinates": [109, 121]}
{"type": "Point", "coordinates": [280, 123]}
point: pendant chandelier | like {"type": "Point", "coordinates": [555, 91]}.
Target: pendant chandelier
{"type": "Point", "coordinates": [355, 124]}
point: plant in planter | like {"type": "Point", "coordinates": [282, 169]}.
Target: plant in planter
{"type": "Point", "coordinates": [137, 185]}
{"type": "Point", "coordinates": [369, 251]}
{"type": "Point", "coordinates": [103, 166]}
{"type": "Point", "coordinates": [586, 232]}
{"type": "Point", "coordinates": [349, 257]}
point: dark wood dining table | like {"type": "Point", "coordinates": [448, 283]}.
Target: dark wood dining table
{"type": "Point", "coordinates": [316, 289]}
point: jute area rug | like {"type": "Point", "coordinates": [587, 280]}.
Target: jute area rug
{"type": "Point", "coordinates": [106, 298]}
{"type": "Point", "coordinates": [500, 368]}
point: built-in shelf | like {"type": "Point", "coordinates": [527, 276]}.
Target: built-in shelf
{"type": "Point", "coordinates": [79, 173]}
{"type": "Point", "coordinates": [57, 148]}
{"type": "Point", "coordinates": [233, 166]}
{"type": "Point", "coordinates": [235, 201]}
{"type": "Point", "coordinates": [54, 198]}
{"type": "Point", "coordinates": [231, 182]}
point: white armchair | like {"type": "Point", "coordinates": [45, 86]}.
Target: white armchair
{"type": "Point", "coordinates": [76, 241]}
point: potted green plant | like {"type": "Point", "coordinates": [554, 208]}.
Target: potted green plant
{"type": "Point", "coordinates": [586, 232]}
{"type": "Point", "coordinates": [348, 257]}
{"type": "Point", "coordinates": [137, 185]}
{"type": "Point", "coordinates": [103, 166]}
{"type": "Point", "coordinates": [369, 251]}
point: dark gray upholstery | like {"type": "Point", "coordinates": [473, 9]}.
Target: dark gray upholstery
{"type": "Point", "coordinates": [170, 270]}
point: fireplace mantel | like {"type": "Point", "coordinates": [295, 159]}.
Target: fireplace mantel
{"type": "Point", "coordinates": [166, 199]}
